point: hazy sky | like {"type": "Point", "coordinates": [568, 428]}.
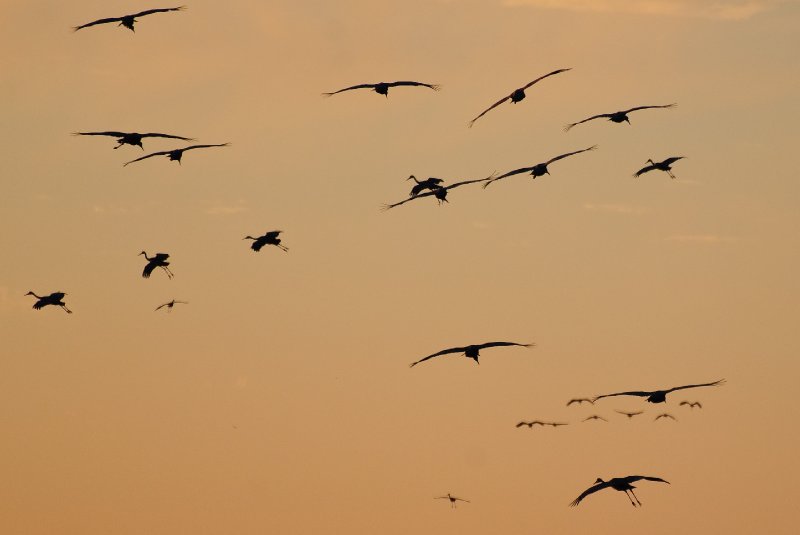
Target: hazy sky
{"type": "Point", "coordinates": [279, 400]}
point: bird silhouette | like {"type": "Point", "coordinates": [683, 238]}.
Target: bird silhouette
{"type": "Point", "coordinates": [659, 396]}
{"type": "Point", "coordinates": [594, 417]}
{"type": "Point", "coordinates": [471, 351]}
{"type": "Point", "coordinates": [691, 404]}
{"type": "Point", "coordinates": [617, 116]}
{"type": "Point", "coordinates": [516, 96]}
{"type": "Point", "coordinates": [622, 484]}
{"type": "Point", "coordinates": [539, 422]}
{"type": "Point", "coordinates": [630, 414]}
{"type": "Point", "coordinates": [159, 260]}
{"type": "Point", "coordinates": [382, 88]}
{"type": "Point", "coordinates": [130, 138]}
{"type": "Point", "coordinates": [171, 304]}
{"type": "Point", "coordinates": [580, 401]}
{"type": "Point", "coordinates": [54, 299]}
{"type": "Point", "coordinates": [439, 192]}
{"type": "Point", "coordinates": [270, 238]}
{"type": "Point", "coordinates": [452, 499]}
{"type": "Point", "coordinates": [665, 166]}
{"type": "Point", "coordinates": [174, 155]}
{"type": "Point", "coordinates": [664, 415]}
{"type": "Point", "coordinates": [429, 183]}
{"type": "Point", "coordinates": [128, 20]}
{"type": "Point", "coordinates": [540, 169]}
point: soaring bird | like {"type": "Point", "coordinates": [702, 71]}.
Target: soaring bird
{"type": "Point", "coordinates": [540, 169]}
{"type": "Point", "coordinates": [270, 238]}
{"type": "Point", "coordinates": [594, 417]}
{"type": "Point", "coordinates": [666, 166]}
{"type": "Point", "coordinates": [692, 404]}
{"type": "Point", "coordinates": [452, 499]}
{"type": "Point", "coordinates": [430, 183]}
{"type": "Point", "coordinates": [516, 96]}
{"type": "Point", "coordinates": [440, 193]}
{"type": "Point", "coordinates": [171, 304]}
{"type": "Point", "coordinates": [129, 20]}
{"type": "Point", "coordinates": [470, 351]}
{"type": "Point", "coordinates": [174, 155]}
{"type": "Point", "coordinates": [622, 484]}
{"type": "Point", "coordinates": [659, 396]}
{"type": "Point", "coordinates": [630, 414]}
{"type": "Point", "coordinates": [664, 415]}
{"type": "Point", "coordinates": [539, 422]}
{"type": "Point", "coordinates": [382, 88]}
{"type": "Point", "coordinates": [159, 260]}
{"type": "Point", "coordinates": [54, 298]}
{"type": "Point", "coordinates": [617, 116]}
{"type": "Point", "coordinates": [130, 138]}
{"type": "Point", "coordinates": [580, 401]}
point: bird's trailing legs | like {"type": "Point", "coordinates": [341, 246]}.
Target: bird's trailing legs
{"type": "Point", "coordinates": [637, 499]}
{"type": "Point", "coordinates": [631, 499]}
{"type": "Point", "coordinates": [169, 273]}
{"type": "Point", "coordinates": [68, 311]}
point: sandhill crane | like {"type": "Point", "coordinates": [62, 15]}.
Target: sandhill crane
{"type": "Point", "coordinates": [659, 396]}
{"type": "Point", "coordinates": [580, 401]}
{"type": "Point", "coordinates": [594, 417]}
{"type": "Point", "coordinates": [540, 169]}
{"type": "Point", "coordinates": [666, 166]}
{"type": "Point", "coordinates": [471, 351]}
{"type": "Point", "coordinates": [664, 415]}
{"type": "Point", "coordinates": [452, 499]}
{"type": "Point", "coordinates": [630, 414]}
{"type": "Point", "coordinates": [54, 299]}
{"type": "Point", "coordinates": [539, 422]}
{"type": "Point", "coordinates": [171, 304]}
{"type": "Point", "coordinates": [270, 238]}
{"type": "Point", "coordinates": [175, 155]}
{"type": "Point", "coordinates": [382, 88]}
{"type": "Point", "coordinates": [439, 192]}
{"type": "Point", "coordinates": [691, 404]}
{"type": "Point", "coordinates": [617, 116]}
{"type": "Point", "coordinates": [430, 183]}
{"type": "Point", "coordinates": [622, 484]}
{"type": "Point", "coordinates": [159, 260]}
{"type": "Point", "coordinates": [130, 138]}
{"type": "Point", "coordinates": [129, 20]}
{"type": "Point", "coordinates": [516, 96]}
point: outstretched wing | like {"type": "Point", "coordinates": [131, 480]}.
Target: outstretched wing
{"type": "Point", "coordinates": [442, 352]}
{"type": "Point", "coordinates": [644, 170]}
{"type": "Point", "coordinates": [417, 196]}
{"type": "Point", "coordinates": [715, 383]}
{"type": "Point", "coordinates": [501, 344]}
{"type": "Point", "coordinates": [510, 173]}
{"type": "Point", "coordinates": [640, 394]}
{"type": "Point", "coordinates": [562, 156]}
{"type": "Point", "coordinates": [545, 76]}
{"type": "Point", "coordinates": [205, 146]}
{"type": "Point", "coordinates": [487, 110]}
{"type": "Point", "coordinates": [148, 269]}
{"type": "Point", "coordinates": [112, 134]}
{"type": "Point", "coordinates": [593, 117]}
{"type": "Point", "coordinates": [159, 10]}
{"type": "Point", "coordinates": [590, 490]}
{"type": "Point", "coordinates": [359, 86]}
{"type": "Point", "coordinates": [272, 234]}
{"type": "Point", "coordinates": [579, 401]}
{"type": "Point", "coordinates": [162, 153]}
{"type": "Point", "coordinates": [159, 307]}
{"type": "Point", "coordinates": [155, 134]}
{"type": "Point", "coordinates": [649, 107]}
{"type": "Point", "coordinates": [435, 87]}
{"type": "Point", "coordinates": [670, 161]}
{"type": "Point", "coordinates": [631, 479]}
{"type": "Point", "coordinates": [98, 21]}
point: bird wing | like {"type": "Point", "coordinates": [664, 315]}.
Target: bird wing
{"type": "Point", "coordinates": [649, 107]}
{"type": "Point", "coordinates": [271, 234]}
{"type": "Point", "coordinates": [672, 160]}
{"type": "Point", "coordinates": [159, 307]}
{"type": "Point", "coordinates": [457, 184]}
{"type": "Point", "coordinates": [487, 110]}
{"type": "Point", "coordinates": [562, 156]}
{"type": "Point", "coordinates": [113, 134]}
{"type": "Point", "coordinates": [640, 394]}
{"type": "Point", "coordinates": [590, 490]}
{"type": "Point", "coordinates": [204, 146]}
{"type": "Point", "coordinates": [570, 125]}
{"type": "Point", "coordinates": [159, 257]}
{"type": "Point", "coordinates": [98, 21]}
{"type": "Point", "coordinates": [545, 76]}
{"type": "Point", "coordinates": [698, 404]}
{"type": "Point", "coordinates": [159, 10]}
{"type": "Point", "coordinates": [644, 170]}
{"type": "Point", "coordinates": [631, 479]}
{"type": "Point", "coordinates": [148, 269]}
{"type": "Point", "coordinates": [156, 134]}
{"type": "Point", "coordinates": [435, 87]}
{"type": "Point", "coordinates": [524, 423]}
{"type": "Point", "coordinates": [682, 403]}
{"type": "Point", "coordinates": [442, 352]}
{"type": "Point", "coordinates": [162, 153]}
{"type": "Point", "coordinates": [501, 344]}
{"type": "Point", "coordinates": [715, 383]}
{"type": "Point", "coordinates": [419, 195]}
{"type": "Point", "coordinates": [490, 180]}
{"type": "Point", "coordinates": [359, 86]}
{"type": "Point", "coordinates": [56, 296]}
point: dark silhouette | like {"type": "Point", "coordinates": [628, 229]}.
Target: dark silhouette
{"type": "Point", "coordinates": [659, 396]}
{"type": "Point", "coordinates": [471, 352]}
{"type": "Point", "coordinates": [630, 414]}
{"type": "Point", "coordinates": [594, 417]}
{"type": "Point", "coordinates": [270, 238]}
{"type": "Point", "coordinates": [617, 116]}
{"type": "Point", "coordinates": [516, 96]}
{"type": "Point", "coordinates": [664, 415]}
{"type": "Point", "coordinates": [429, 183]}
{"type": "Point", "coordinates": [159, 260]}
{"type": "Point", "coordinates": [452, 499]}
{"type": "Point", "coordinates": [622, 484]}
{"type": "Point", "coordinates": [538, 422]}
{"type": "Point", "coordinates": [129, 20]}
{"type": "Point", "coordinates": [580, 401]}
{"type": "Point", "coordinates": [540, 169]}
{"type": "Point", "coordinates": [130, 138]}
{"type": "Point", "coordinates": [692, 404]}
{"type": "Point", "coordinates": [171, 304]}
{"type": "Point", "coordinates": [666, 166]}
{"type": "Point", "coordinates": [174, 155]}
{"type": "Point", "coordinates": [439, 192]}
{"type": "Point", "coordinates": [54, 299]}
{"type": "Point", "coordinates": [382, 88]}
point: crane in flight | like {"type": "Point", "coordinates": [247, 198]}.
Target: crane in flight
{"type": "Point", "coordinates": [174, 155]}
{"type": "Point", "coordinates": [439, 192]}
{"type": "Point", "coordinates": [430, 183]}
{"type": "Point", "coordinates": [664, 415]}
{"type": "Point", "coordinates": [539, 422]}
{"type": "Point", "coordinates": [128, 20]}
{"type": "Point", "coordinates": [594, 417]}
{"type": "Point", "coordinates": [540, 169]}
{"type": "Point", "coordinates": [131, 138]}
{"type": "Point", "coordinates": [471, 351]}
{"type": "Point", "coordinates": [622, 484]}
{"type": "Point", "coordinates": [630, 414]}
{"type": "Point", "coordinates": [580, 401]}
{"type": "Point", "coordinates": [691, 404]}
{"type": "Point", "coordinates": [270, 238]}
{"type": "Point", "coordinates": [382, 88]}
{"type": "Point", "coordinates": [665, 166]}
{"type": "Point", "coordinates": [171, 304]}
{"type": "Point", "coordinates": [617, 116]}
{"type": "Point", "coordinates": [55, 299]}
{"type": "Point", "coordinates": [452, 499]}
{"type": "Point", "coordinates": [659, 396]}
{"type": "Point", "coordinates": [159, 260]}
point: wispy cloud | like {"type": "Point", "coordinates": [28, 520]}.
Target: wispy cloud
{"type": "Point", "coordinates": [615, 208]}
{"type": "Point", "coordinates": [700, 238]}
{"type": "Point", "coordinates": [708, 9]}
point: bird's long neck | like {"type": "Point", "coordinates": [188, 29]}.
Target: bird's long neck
{"type": "Point", "coordinates": [651, 162]}
{"type": "Point", "coordinates": [147, 257]}
{"type": "Point", "coordinates": [33, 294]}
{"type": "Point", "coordinates": [249, 238]}
{"type": "Point", "coordinates": [412, 177]}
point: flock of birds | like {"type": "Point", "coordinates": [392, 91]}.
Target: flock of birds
{"type": "Point", "coordinates": [438, 189]}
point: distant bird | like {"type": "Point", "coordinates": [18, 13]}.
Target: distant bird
{"type": "Point", "coordinates": [666, 166]}
{"type": "Point", "coordinates": [539, 422]}
{"type": "Point", "coordinates": [580, 401]}
{"type": "Point", "coordinates": [440, 193]}
{"type": "Point", "coordinates": [471, 351]}
{"type": "Point", "coordinates": [659, 396]}
{"type": "Point", "coordinates": [429, 183]}
{"type": "Point", "coordinates": [130, 138]}
{"type": "Point", "coordinates": [664, 415]}
{"type": "Point", "coordinates": [174, 155]}
{"type": "Point", "coordinates": [159, 260]}
{"type": "Point", "coordinates": [54, 298]}
{"type": "Point", "coordinates": [617, 116]}
{"type": "Point", "coordinates": [630, 414]}
{"type": "Point", "coordinates": [270, 238]}
{"type": "Point", "coordinates": [382, 88]}
{"type": "Point", "coordinates": [622, 484]}
{"type": "Point", "coordinates": [540, 169]}
{"type": "Point", "coordinates": [171, 304]}
{"type": "Point", "coordinates": [692, 404]}
{"type": "Point", "coordinates": [129, 20]}
{"type": "Point", "coordinates": [452, 499]}
{"type": "Point", "coordinates": [516, 96]}
{"type": "Point", "coordinates": [594, 417]}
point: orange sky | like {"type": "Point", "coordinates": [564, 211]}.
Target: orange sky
{"type": "Point", "coordinates": [280, 399]}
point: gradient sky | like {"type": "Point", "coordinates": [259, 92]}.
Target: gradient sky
{"type": "Point", "coordinates": [280, 399]}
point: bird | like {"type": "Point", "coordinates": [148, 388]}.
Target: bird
{"type": "Point", "coordinates": [540, 169]}
{"type": "Point", "coordinates": [171, 304]}
{"type": "Point", "coordinates": [630, 414]}
{"type": "Point", "coordinates": [692, 404]}
{"type": "Point", "coordinates": [471, 351]}
{"type": "Point", "coordinates": [270, 238]}
{"type": "Point", "coordinates": [538, 422]}
{"type": "Point", "coordinates": [159, 260]}
{"type": "Point", "coordinates": [622, 484]}
{"type": "Point", "coordinates": [382, 88]}
{"type": "Point", "coordinates": [617, 116]}
{"type": "Point", "coordinates": [429, 183]}
{"type": "Point", "coordinates": [452, 499]}
{"type": "Point", "coordinates": [516, 96]}
{"type": "Point", "coordinates": [666, 166]}
{"type": "Point", "coordinates": [594, 417]}
{"type": "Point", "coordinates": [580, 401]}
{"type": "Point", "coordinates": [54, 298]}
{"type": "Point", "coordinates": [659, 396]}
{"type": "Point", "coordinates": [440, 193]}
{"type": "Point", "coordinates": [130, 138]}
{"type": "Point", "coordinates": [174, 155]}
{"type": "Point", "coordinates": [664, 415]}
{"type": "Point", "coordinates": [129, 20]}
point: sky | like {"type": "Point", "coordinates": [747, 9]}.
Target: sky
{"type": "Point", "coordinates": [280, 398]}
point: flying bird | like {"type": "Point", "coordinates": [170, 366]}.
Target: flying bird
{"type": "Point", "coordinates": [666, 166]}
{"type": "Point", "coordinates": [664, 415]}
{"type": "Point", "coordinates": [539, 422]}
{"type": "Point", "coordinates": [540, 169]}
{"type": "Point", "coordinates": [130, 138]}
{"type": "Point", "coordinates": [692, 404]}
{"type": "Point", "coordinates": [580, 401]}
{"type": "Point", "coordinates": [622, 484]}
{"type": "Point", "coordinates": [630, 414]}
{"type": "Point", "coordinates": [54, 299]}
{"type": "Point", "coordinates": [171, 304]}
{"type": "Point", "coordinates": [175, 155]}
{"type": "Point", "coordinates": [270, 238]}
{"type": "Point", "coordinates": [159, 260]}
{"type": "Point", "coordinates": [382, 88]}
{"type": "Point", "coordinates": [471, 351]}
{"type": "Point", "coordinates": [516, 96]}
{"type": "Point", "coordinates": [429, 183]}
{"type": "Point", "coordinates": [594, 417]}
{"type": "Point", "coordinates": [129, 20]}
{"type": "Point", "coordinates": [440, 193]}
{"type": "Point", "coordinates": [617, 116]}
{"type": "Point", "coordinates": [659, 396]}
{"type": "Point", "coordinates": [452, 499]}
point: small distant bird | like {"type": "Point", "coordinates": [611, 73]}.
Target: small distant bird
{"type": "Point", "coordinates": [692, 404]}
{"type": "Point", "coordinates": [622, 484]}
{"type": "Point", "coordinates": [452, 499]}
{"type": "Point", "coordinates": [594, 417]}
{"type": "Point", "coordinates": [540, 169]}
{"type": "Point", "coordinates": [382, 88]}
{"type": "Point", "coordinates": [539, 422]}
{"type": "Point", "coordinates": [130, 138]}
{"type": "Point", "coordinates": [270, 238]}
{"type": "Point", "coordinates": [54, 299]}
{"type": "Point", "coordinates": [664, 415]}
{"type": "Point", "coordinates": [659, 396]}
{"type": "Point", "coordinates": [159, 260]}
{"type": "Point", "coordinates": [617, 116]}
{"type": "Point", "coordinates": [516, 96]}
{"type": "Point", "coordinates": [129, 20]}
{"type": "Point", "coordinates": [580, 401]}
{"type": "Point", "coordinates": [439, 192]}
{"type": "Point", "coordinates": [471, 351]}
{"type": "Point", "coordinates": [171, 304]}
{"type": "Point", "coordinates": [429, 183]}
{"type": "Point", "coordinates": [666, 166]}
{"type": "Point", "coordinates": [630, 414]}
{"type": "Point", "coordinates": [174, 155]}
